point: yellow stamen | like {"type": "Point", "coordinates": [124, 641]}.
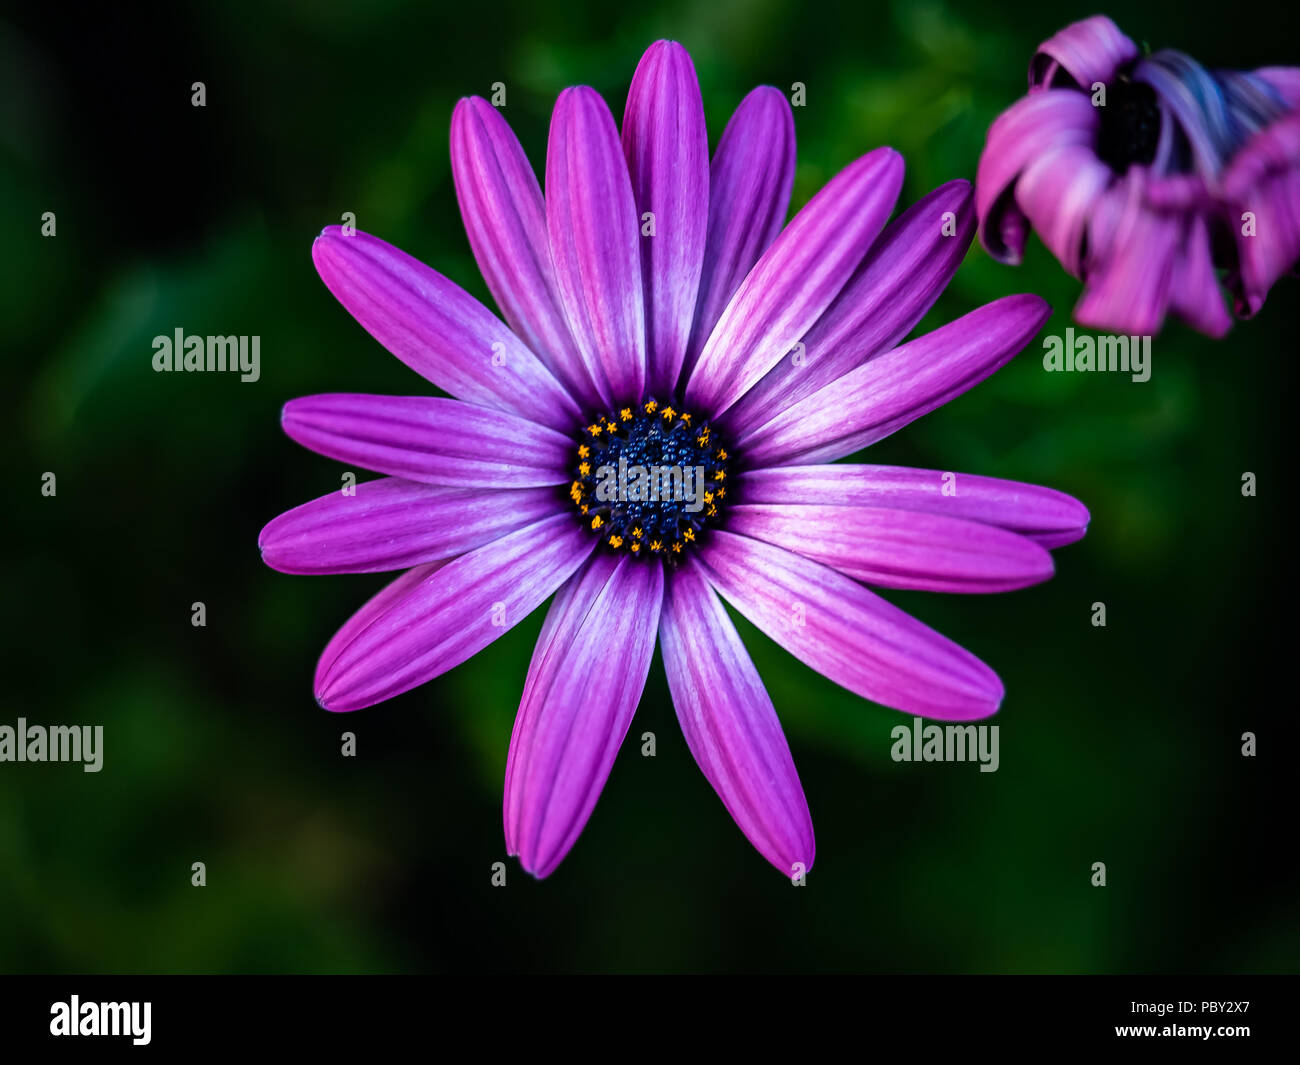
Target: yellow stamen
{"type": "Point", "coordinates": [616, 541]}
{"type": "Point", "coordinates": [596, 522]}
{"type": "Point", "coordinates": [651, 407]}
{"type": "Point", "coordinates": [583, 451]}
{"type": "Point", "coordinates": [625, 414]}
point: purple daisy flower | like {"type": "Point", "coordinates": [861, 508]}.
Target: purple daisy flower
{"type": "Point", "coordinates": [1146, 176]}
{"type": "Point", "coordinates": [654, 302]}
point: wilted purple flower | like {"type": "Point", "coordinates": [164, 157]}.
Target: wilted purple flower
{"type": "Point", "coordinates": [1145, 175]}
{"type": "Point", "coordinates": [660, 315]}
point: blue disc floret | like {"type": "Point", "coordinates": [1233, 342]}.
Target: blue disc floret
{"type": "Point", "coordinates": [649, 479]}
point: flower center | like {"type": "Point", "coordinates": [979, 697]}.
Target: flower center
{"type": "Point", "coordinates": [1130, 125]}
{"type": "Point", "coordinates": [649, 479]}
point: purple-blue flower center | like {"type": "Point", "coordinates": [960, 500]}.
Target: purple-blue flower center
{"type": "Point", "coordinates": [1130, 125]}
{"type": "Point", "coordinates": [649, 479]}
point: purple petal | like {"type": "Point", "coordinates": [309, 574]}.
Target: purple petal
{"type": "Point", "coordinates": [1057, 192]}
{"type": "Point", "coordinates": [453, 614]}
{"type": "Point", "coordinates": [439, 330]}
{"type": "Point", "coordinates": [1285, 81]}
{"type": "Point", "coordinates": [1192, 103]}
{"type": "Point", "coordinates": [900, 279]}
{"type": "Point", "coordinates": [424, 438]}
{"type": "Point", "coordinates": [1057, 118]}
{"type": "Point", "coordinates": [795, 280]}
{"type": "Point", "coordinates": [1130, 263]}
{"type": "Point", "coordinates": [391, 524]}
{"type": "Point", "coordinates": [667, 147]}
{"type": "Point", "coordinates": [1194, 287]}
{"type": "Point", "coordinates": [505, 219]}
{"type": "Point", "coordinates": [849, 634]}
{"type": "Point", "coordinates": [377, 607]}
{"type": "Point", "coordinates": [897, 387]}
{"type": "Point", "coordinates": [1089, 51]}
{"type": "Point", "coordinates": [595, 243]}
{"type": "Point", "coordinates": [898, 548]}
{"type": "Point", "coordinates": [1044, 515]}
{"type": "Point", "coordinates": [749, 194]}
{"type": "Point", "coordinates": [1206, 111]}
{"type": "Point", "coordinates": [730, 724]}
{"type": "Point", "coordinates": [1264, 179]}
{"type": "Point", "coordinates": [583, 686]}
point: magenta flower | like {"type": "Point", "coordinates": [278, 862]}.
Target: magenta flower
{"type": "Point", "coordinates": [659, 315]}
{"type": "Point", "coordinates": [1145, 176]}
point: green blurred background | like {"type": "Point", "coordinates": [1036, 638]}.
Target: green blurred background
{"type": "Point", "coordinates": [1119, 744]}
